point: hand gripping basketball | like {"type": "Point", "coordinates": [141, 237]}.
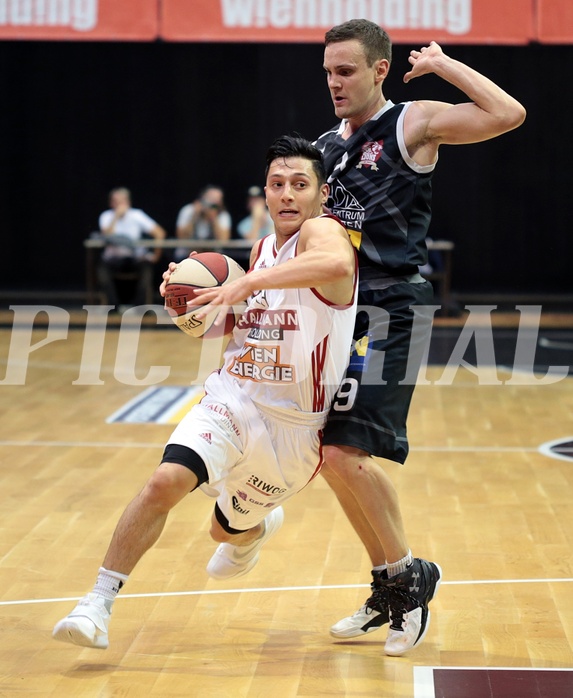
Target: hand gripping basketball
{"type": "Point", "coordinates": [204, 270]}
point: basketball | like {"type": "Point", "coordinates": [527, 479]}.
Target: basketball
{"type": "Point", "coordinates": [204, 270]}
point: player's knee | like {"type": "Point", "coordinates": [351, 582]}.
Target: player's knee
{"type": "Point", "coordinates": [343, 463]}
{"type": "Point", "coordinates": [334, 460]}
{"type": "Point", "coordinates": [340, 460]}
{"type": "Point", "coordinates": [162, 490]}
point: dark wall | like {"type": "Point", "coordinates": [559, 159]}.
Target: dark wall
{"type": "Point", "coordinates": [165, 119]}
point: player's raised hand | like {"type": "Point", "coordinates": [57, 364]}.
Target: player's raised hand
{"type": "Point", "coordinates": [423, 61]}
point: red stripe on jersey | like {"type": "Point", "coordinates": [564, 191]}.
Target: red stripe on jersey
{"type": "Point", "coordinates": [318, 360]}
{"type": "Point", "coordinates": [259, 251]}
{"type": "Point", "coordinates": [320, 457]}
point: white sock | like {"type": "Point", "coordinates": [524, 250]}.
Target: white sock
{"type": "Point", "coordinates": [108, 585]}
{"type": "Point", "coordinates": [381, 571]}
{"type": "Point", "coordinates": [400, 566]}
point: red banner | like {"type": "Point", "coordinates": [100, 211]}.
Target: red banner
{"type": "Point", "coordinates": [407, 21]}
{"type": "Point", "coordinates": [555, 21]}
{"type": "Point", "coordinates": [116, 20]}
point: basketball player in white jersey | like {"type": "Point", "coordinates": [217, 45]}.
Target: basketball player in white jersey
{"type": "Point", "coordinates": [255, 438]}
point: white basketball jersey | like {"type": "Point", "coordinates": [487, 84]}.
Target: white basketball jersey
{"type": "Point", "coordinates": [291, 347]}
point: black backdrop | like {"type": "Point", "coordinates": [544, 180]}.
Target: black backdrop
{"type": "Point", "coordinates": [164, 119]}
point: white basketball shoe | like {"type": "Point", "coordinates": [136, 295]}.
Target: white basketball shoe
{"type": "Point", "coordinates": [234, 560]}
{"type": "Point", "coordinates": [86, 625]}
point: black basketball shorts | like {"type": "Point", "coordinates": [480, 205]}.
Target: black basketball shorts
{"type": "Point", "coordinates": [392, 333]}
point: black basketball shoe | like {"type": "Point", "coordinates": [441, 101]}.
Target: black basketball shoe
{"type": "Point", "coordinates": [371, 616]}
{"type": "Point", "coordinates": [410, 592]}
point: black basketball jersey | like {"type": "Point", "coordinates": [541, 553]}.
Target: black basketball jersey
{"type": "Point", "coordinates": [380, 194]}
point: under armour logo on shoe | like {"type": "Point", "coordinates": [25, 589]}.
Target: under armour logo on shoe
{"type": "Point", "coordinates": [416, 578]}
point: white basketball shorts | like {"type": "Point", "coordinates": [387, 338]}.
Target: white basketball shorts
{"type": "Point", "coordinates": [255, 459]}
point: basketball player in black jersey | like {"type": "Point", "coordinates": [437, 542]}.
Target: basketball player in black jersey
{"type": "Point", "coordinates": [380, 159]}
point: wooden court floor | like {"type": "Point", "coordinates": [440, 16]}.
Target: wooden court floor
{"type": "Point", "coordinates": [478, 496]}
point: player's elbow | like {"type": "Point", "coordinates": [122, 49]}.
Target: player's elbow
{"type": "Point", "coordinates": [342, 267]}
{"type": "Point", "coordinates": [512, 117]}
{"type": "Point", "coordinates": [520, 114]}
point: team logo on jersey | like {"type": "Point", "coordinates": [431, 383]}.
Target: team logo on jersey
{"type": "Point", "coordinates": [371, 153]}
{"type": "Point", "coordinates": [262, 365]}
{"type": "Point", "coordinates": [226, 420]}
{"type": "Point", "coordinates": [345, 205]}
{"type": "Point", "coordinates": [360, 355]}
{"type": "Point", "coordinates": [237, 506]}
{"type": "Point", "coordinates": [265, 488]}
{"type": "Point", "coordinates": [268, 325]}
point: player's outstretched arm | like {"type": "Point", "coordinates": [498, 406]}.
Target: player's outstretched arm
{"type": "Point", "coordinates": [491, 112]}
{"type": "Point", "coordinates": [325, 261]}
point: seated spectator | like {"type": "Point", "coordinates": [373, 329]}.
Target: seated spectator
{"type": "Point", "coordinates": [205, 219]}
{"type": "Point", "coordinates": [121, 226]}
{"type": "Point", "coordinates": [258, 223]}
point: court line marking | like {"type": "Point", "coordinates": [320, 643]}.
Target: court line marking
{"type": "Point", "coordinates": [255, 590]}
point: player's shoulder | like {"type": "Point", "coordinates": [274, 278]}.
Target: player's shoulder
{"type": "Point", "coordinates": [257, 246]}
{"type": "Point", "coordinates": [328, 134]}
{"type": "Point", "coordinates": [330, 218]}
{"type": "Point", "coordinates": [326, 222]}
{"type": "Point", "coordinates": [260, 248]}
{"type": "Point", "coordinates": [422, 108]}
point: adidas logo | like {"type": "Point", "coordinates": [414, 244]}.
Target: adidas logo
{"type": "Point", "coordinates": [207, 436]}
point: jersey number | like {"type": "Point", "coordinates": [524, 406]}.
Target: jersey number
{"type": "Point", "coordinates": [346, 395]}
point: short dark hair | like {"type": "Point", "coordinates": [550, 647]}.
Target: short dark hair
{"type": "Point", "coordinates": [208, 187]}
{"type": "Point", "coordinates": [297, 147]}
{"type": "Point", "coordinates": [121, 190]}
{"type": "Point", "coordinates": [376, 42]}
